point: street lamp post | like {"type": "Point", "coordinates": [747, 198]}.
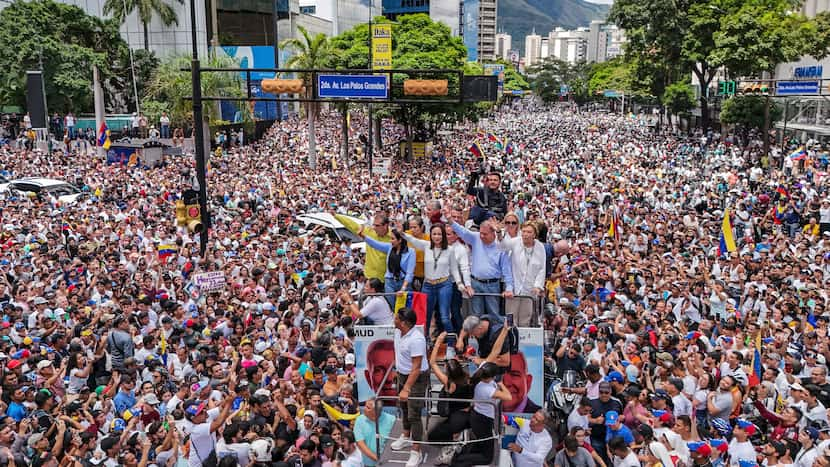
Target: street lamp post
{"type": "Point", "coordinates": [199, 134]}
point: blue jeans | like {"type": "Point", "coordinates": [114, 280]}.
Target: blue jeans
{"type": "Point", "coordinates": [439, 295]}
{"type": "Point", "coordinates": [489, 306]}
{"type": "Point", "coordinates": [165, 131]}
{"type": "Point", "coordinates": [390, 287]}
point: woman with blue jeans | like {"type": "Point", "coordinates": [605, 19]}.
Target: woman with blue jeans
{"type": "Point", "coordinates": [400, 264]}
{"type": "Point", "coordinates": [440, 271]}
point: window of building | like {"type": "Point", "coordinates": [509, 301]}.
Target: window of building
{"type": "Point", "coordinates": [308, 10]}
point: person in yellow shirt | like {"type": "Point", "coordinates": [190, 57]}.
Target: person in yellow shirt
{"type": "Point", "coordinates": [416, 229]}
{"type": "Point", "coordinates": [812, 229]}
{"type": "Point", "coordinates": [375, 267]}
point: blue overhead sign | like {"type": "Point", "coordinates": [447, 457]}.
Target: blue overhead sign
{"type": "Point", "coordinates": [611, 93]}
{"type": "Point", "coordinates": [352, 86]}
{"type": "Point", "coordinates": [789, 88]}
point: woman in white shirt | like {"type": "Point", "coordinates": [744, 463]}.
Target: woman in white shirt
{"type": "Point", "coordinates": [482, 417]}
{"type": "Point", "coordinates": [527, 256]}
{"type": "Point", "coordinates": [440, 272]}
{"type": "Point", "coordinates": [463, 285]}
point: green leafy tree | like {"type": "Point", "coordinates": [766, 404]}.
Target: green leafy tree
{"type": "Point", "coordinates": [310, 53]}
{"type": "Point", "coordinates": [747, 113]}
{"type": "Point", "coordinates": [679, 98]}
{"type": "Point", "coordinates": [171, 86]}
{"type": "Point", "coordinates": [120, 9]}
{"type": "Point", "coordinates": [668, 40]}
{"type": "Point", "coordinates": [65, 43]}
{"type": "Point", "coordinates": [417, 43]}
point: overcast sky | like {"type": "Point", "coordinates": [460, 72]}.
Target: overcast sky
{"type": "Point", "coordinates": [607, 2]}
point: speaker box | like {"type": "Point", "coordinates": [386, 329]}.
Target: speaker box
{"type": "Point", "coordinates": [36, 99]}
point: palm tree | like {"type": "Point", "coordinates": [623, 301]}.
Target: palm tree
{"type": "Point", "coordinates": [171, 85]}
{"type": "Point", "coordinates": [119, 9]}
{"type": "Point", "coordinates": [311, 53]}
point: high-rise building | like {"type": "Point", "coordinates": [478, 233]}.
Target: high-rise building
{"type": "Point", "coordinates": [533, 49]}
{"type": "Point", "coordinates": [447, 12]}
{"type": "Point", "coordinates": [503, 43]}
{"type": "Point", "coordinates": [488, 16]}
{"type": "Point", "coordinates": [479, 29]}
{"type": "Point", "coordinates": [605, 41]}
{"type": "Point", "coordinates": [568, 46]}
{"type": "Point", "coordinates": [343, 14]}
{"type": "Point", "coordinates": [813, 7]}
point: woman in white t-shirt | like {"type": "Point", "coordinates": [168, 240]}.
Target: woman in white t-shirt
{"type": "Point", "coordinates": [483, 415]}
{"type": "Point", "coordinates": [78, 370]}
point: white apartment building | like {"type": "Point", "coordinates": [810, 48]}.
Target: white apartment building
{"type": "Point", "coordinates": [503, 44]}
{"type": "Point", "coordinates": [533, 49]}
{"type": "Point", "coordinates": [568, 46]}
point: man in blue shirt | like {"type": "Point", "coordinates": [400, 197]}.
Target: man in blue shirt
{"type": "Point", "coordinates": [125, 398]}
{"type": "Point", "coordinates": [616, 428]}
{"type": "Point", "coordinates": [364, 431]}
{"type": "Point", "coordinates": [489, 267]}
{"type": "Point", "coordinates": [16, 409]}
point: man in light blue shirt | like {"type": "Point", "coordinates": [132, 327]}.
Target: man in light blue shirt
{"type": "Point", "coordinates": [489, 267]}
{"type": "Point", "coordinates": [364, 431]}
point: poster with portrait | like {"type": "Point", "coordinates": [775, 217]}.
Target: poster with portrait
{"type": "Point", "coordinates": [374, 352]}
{"type": "Point", "coordinates": [525, 380]}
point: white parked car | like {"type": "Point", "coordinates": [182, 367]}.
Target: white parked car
{"type": "Point", "coordinates": [64, 192]}
{"type": "Point", "coordinates": [334, 229]}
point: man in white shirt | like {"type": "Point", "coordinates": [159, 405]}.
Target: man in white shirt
{"type": "Point", "coordinates": [533, 443]}
{"type": "Point", "coordinates": [740, 447]}
{"type": "Point", "coordinates": [413, 379]}
{"type": "Point", "coordinates": [623, 456]}
{"type": "Point", "coordinates": [205, 423]}
{"type": "Point", "coordinates": [375, 309]}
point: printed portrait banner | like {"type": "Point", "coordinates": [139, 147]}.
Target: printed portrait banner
{"type": "Point", "coordinates": [374, 352]}
{"type": "Point", "coordinates": [525, 379]}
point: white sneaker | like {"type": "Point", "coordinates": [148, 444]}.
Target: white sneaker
{"type": "Point", "coordinates": [404, 442]}
{"type": "Point", "coordinates": [445, 458]}
{"type": "Point", "coordinates": [414, 459]}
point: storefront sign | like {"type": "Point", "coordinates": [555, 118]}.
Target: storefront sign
{"type": "Point", "coordinates": [808, 72]}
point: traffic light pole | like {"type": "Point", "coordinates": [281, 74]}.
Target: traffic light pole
{"type": "Point", "coordinates": [369, 144]}
{"type": "Point", "coordinates": [277, 50]}
{"type": "Point", "coordinates": [199, 135]}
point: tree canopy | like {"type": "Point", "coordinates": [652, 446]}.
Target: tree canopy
{"type": "Point", "coordinates": [66, 42]}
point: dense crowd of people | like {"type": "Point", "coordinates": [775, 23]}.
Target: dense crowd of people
{"type": "Point", "coordinates": [687, 349]}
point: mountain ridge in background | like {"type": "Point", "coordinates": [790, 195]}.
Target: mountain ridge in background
{"type": "Point", "coordinates": [520, 17]}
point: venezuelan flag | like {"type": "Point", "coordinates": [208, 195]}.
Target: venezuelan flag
{"type": "Point", "coordinates": [104, 136]}
{"type": "Point", "coordinates": [476, 150]}
{"type": "Point", "coordinates": [614, 230]}
{"type": "Point", "coordinates": [415, 300]}
{"type": "Point", "coordinates": [811, 323]}
{"type": "Point", "coordinates": [783, 191]}
{"type": "Point", "coordinates": [163, 349]}
{"type": "Point", "coordinates": [511, 421]}
{"type": "Point", "coordinates": [727, 239]}
{"type": "Point", "coordinates": [166, 250]}
{"type": "Point", "coordinates": [492, 137]}
{"type": "Point", "coordinates": [757, 370]}
{"type": "Point", "coordinates": [343, 418]}
{"type": "Point", "coordinates": [799, 154]}
{"type": "Point", "coordinates": [509, 147]}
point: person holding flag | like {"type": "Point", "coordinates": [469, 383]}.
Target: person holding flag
{"type": "Point", "coordinates": [104, 136]}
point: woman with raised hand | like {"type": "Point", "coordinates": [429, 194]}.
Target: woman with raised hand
{"type": "Point", "coordinates": [400, 264]}
{"type": "Point", "coordinates": [440, 272]}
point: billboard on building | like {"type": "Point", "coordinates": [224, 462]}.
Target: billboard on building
{"type": "Point", "coordinates": [471, 8]}
{"type": "Point", "coordinates": [258, 56]}
{"type": "Point", "coordinates": [496, 69]}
